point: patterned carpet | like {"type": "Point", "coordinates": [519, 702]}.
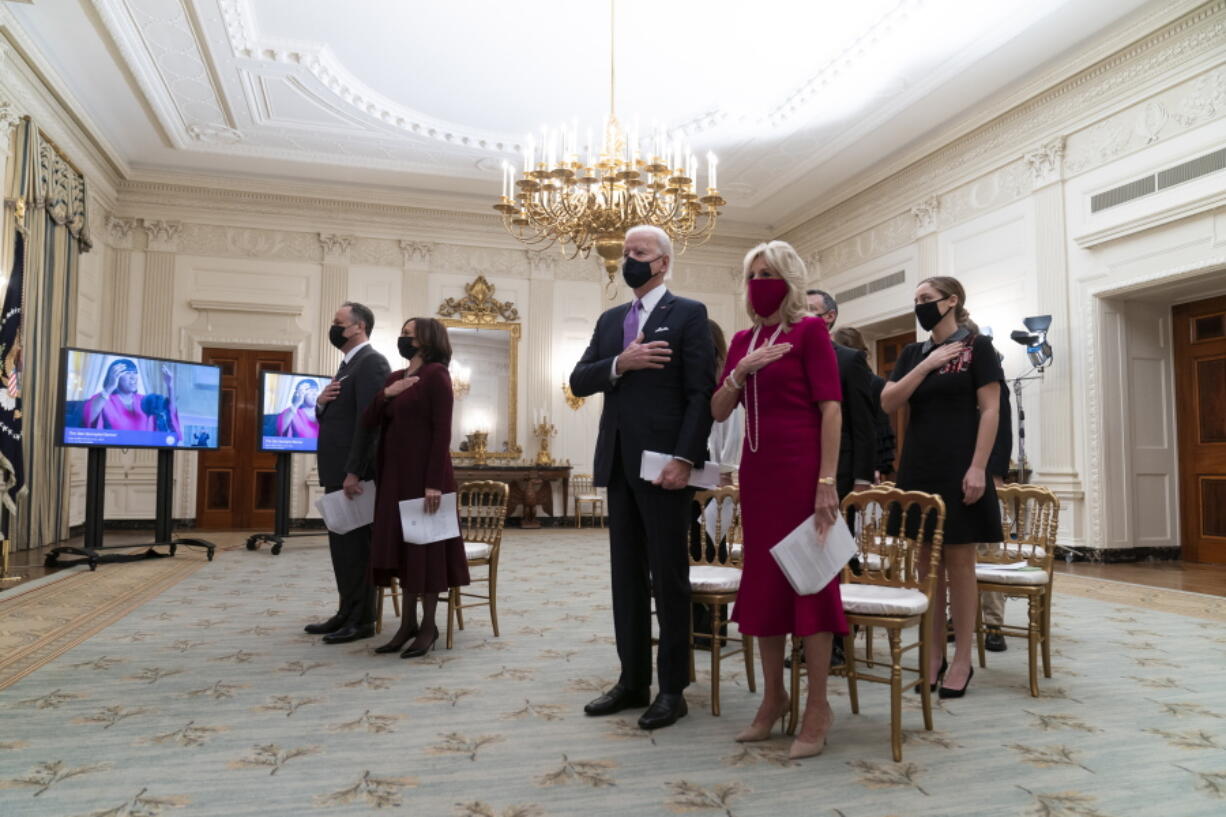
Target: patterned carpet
{"type": "Point", "coordinates": [207, 699]}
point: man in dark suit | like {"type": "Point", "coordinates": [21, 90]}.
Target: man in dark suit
{"type": "Point", "coordinates": [345, 455]}
{"type": "Point", "coordinates": [653, 359]}
{"type": "Point", "coordinates": [858, 448]}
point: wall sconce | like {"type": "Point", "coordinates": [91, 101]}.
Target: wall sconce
{"type": "Point", "coordinates": [574, 402]}
{"type": "Point", "coordinates": [460, 383]}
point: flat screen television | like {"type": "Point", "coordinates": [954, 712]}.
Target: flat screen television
{"type": "Point", "coordinates": [131, 401]}
{"type": "Point", "coordinates": [287, 411]}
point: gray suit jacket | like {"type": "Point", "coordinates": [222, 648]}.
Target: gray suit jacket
{"type": "Point", "coordinates": [345, 446]}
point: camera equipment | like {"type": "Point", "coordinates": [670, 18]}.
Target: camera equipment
{"type": "Point", "coordinates": [1038, 350]}
{"type": "Point", "coordinates": [1035, 340]}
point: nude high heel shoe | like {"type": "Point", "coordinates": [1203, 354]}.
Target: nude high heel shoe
{"type": "Point", "coordinates": [803, 748]}
{"type": "Point", "coordinates": [753, 734]}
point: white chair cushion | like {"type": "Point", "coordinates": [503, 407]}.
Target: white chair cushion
{"type": "Point", "coordinates": [1007, 574]}
{"type": "Point", "coordinates": [589, 497]}
{"type": "Point", "coordinates": [714, 579]}
{"type": "Point", "coordinates": [477, 550]}
{"type": "Point", "coordinates": [879, 600]}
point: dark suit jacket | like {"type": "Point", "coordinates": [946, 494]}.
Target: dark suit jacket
{"type": "Point", "coordinates": [345, 446]}
{"type": "Point", "coordinates": [858, 448]}
{"type": "Point", "coordinates": [886, 440]}
{"type": "Point", "coordinates": [666, 410]}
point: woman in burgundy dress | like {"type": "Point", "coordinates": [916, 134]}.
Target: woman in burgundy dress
{"type": "Point", "coordinates": [785, 374]}
{"type": "Point", "coordinates": [413, 413]}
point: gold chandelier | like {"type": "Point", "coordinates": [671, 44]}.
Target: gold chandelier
{"type": "Point", "coordinates": [591, 200]}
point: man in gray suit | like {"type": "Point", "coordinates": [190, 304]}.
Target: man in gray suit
{"type": "Point", "coordinates": [345, 454]}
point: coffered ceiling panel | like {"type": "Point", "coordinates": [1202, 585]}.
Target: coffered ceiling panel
{"type": "Point", "coordinates": [796, 97]}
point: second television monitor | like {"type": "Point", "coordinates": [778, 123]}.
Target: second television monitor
{"type": "Point", "coordinates": [287, 411]}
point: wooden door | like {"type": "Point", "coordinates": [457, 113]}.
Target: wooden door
{"type": "Point", "coordinates": [1200, 389]}
{"type": "Point", "coordinates": [888, 350]}
{"type": "Point", "coordinates": [236, 484]}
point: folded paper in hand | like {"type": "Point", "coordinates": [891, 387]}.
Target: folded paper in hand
{"type": "Point", "coordinates": [421, 528]}
{"type": "Point", "coordinates": [342, 514]}
{"type": "Point", "coordinates": [809, 564]}
{"type": "Point", "coordinates": [654, 462]}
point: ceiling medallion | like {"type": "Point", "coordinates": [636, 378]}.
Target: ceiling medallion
{"type": "Point", "coordinates": [589, 201]}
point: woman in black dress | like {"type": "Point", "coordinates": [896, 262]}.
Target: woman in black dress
{"type": "Point", "coordinates": [951, 384]}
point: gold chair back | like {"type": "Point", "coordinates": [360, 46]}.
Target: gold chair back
{"type": "Point", "coordinates": [721, 521]}
{"type": "Point", "coordinates": [483, 511]}
{"type": "Point", "coordinates": [581, 484]}
{"type": "Point", "coordinates": [1029, 520]}
{"type": "Point", "coordinates": [899, 536]}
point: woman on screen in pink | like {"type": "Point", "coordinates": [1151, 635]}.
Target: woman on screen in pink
{"type": "Point", "coordinates": [120, 406]}
{"type": "Point", "coordinates": [299, 419]}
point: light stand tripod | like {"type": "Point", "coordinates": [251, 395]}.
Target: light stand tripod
{"type": "Point", "coordinates": [1023, 472]}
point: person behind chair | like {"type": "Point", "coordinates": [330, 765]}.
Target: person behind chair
{"type": "Point", "coordinates": [413, 414]}
{"type": "Point", "coordinates": [345, 457]}
{"type": "Point", "coordinates": [858, 445]}
{"type": "Point", "coordinates": [884, 461]}
{"type": "Point", "coordinates": [785, 374]}
{"type": "Point", "coordinates": [653, 361]}
{"type": "Point", "coordinates": [951, 382]}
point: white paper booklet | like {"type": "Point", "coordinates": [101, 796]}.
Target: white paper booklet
{"type": "Point", "coordinates": [421, 528]}
{"type": "Point", "coordinates": [809, 564]}
{"type": "Point", "coordinates": [653, 463]}
{"type": "Point", "coordinates": [342, 514]}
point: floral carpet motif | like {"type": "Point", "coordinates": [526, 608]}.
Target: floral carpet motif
{"type": "Point", "coordinates": [208, 699]}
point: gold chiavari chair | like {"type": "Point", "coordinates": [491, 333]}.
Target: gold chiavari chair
{"type": "Point", "coordinates": [1022, 568]}
{"type": "Point", "coordinates": [899, 534]}
{"type": "Point", "coordinates": [587, 495]}
{"type": "Point", "coordinates": [483, 513]}
{"type": "Point", "coordinates": [715, 578]}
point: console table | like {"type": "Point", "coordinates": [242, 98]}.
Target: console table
{"type": "Point", "coordinates": [531, 485]}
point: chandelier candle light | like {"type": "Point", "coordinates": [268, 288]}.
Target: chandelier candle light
{"type": "Point", "coordinates": [585, 195]}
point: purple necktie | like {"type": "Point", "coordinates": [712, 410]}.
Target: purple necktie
{"type": "Point", "coordinates": [630, 326]}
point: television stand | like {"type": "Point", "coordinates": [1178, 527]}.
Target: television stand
{"type": "Point", "coordinates": [281, 519]}
{"type": "Point", "coordinates": [95, 496]}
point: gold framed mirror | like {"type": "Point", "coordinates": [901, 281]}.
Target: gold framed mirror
{"type": "Point", "coordinates": [484, 334]}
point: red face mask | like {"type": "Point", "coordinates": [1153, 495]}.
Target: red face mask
{"type": "Point", "coordinates": [766, 295]}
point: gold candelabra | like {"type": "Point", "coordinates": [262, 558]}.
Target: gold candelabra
{"type": "Point", "coordinates": [544, 430]}
{"type": "Point", "coordinates": [477, 446]}
{"type": "Point", "coordinates": [589, 199]}
{"type": "Point", "coordinates": [574, 402]}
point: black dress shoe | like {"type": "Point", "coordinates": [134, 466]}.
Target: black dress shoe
{"type": "Point", "coordinates": [418, 652]}
{"type": "Point", "coordinates": [350, 633]}
{"type": "Point", "coordinates": [664, 711]}
{"type": "Point", "coordinates": [950, 692]}
{"type": "Point", "coordinates": [330, 626]}
{"type": "Point", "coordinates": [617, 699]}
{"type": "Point", "coordinates": [994, 641]}
{"type": "Point", "coordinates": [396, 646]}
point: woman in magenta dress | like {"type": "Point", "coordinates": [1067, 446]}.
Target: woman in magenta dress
{"type": "Point", "coordinates": [120, 406]}
{"type": "Point", "coordinates": [413, 412]}
{"type": "Point", "coordinates": [298, 420]}
{"type": "Point", "coordinates": [785, 373]}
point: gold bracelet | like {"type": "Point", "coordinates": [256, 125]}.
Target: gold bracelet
{"type": "Point", "coordinates": [825, 481]}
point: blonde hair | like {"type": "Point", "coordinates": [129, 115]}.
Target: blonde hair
{"type": "Point", "coordinates": [782, 259]}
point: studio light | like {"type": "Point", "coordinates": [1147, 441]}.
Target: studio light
{"type": "Point", "coordinates": [1035, 340]}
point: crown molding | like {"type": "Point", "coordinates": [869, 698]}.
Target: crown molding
{"type": "Point", "coordinates": [1006, 126]}
{"type": "Point", "coordinates": [29, 78]}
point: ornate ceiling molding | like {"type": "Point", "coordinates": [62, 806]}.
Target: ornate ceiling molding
{"type": "Point", "coordinates": [1114, 82]}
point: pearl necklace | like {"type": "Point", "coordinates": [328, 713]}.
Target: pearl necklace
{"type": "Point", "coordinates": [756, 437]}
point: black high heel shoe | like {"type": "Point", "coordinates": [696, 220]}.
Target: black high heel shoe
{"type": "Point", "coordinates": [940, 675]}
{"type": "Point", "coordinates": [950, 692]}
{"type": "Point", "coordinates": [418, 652]}
{"type": "Point", "coordinates": [396, 646]}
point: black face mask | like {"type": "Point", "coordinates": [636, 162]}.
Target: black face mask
{"type": "Point", "coordinates": [929, 314]}
{"type": "Point", "coordinates": [636, 273]}
{"type": "Point", "coordinates": [406, 348]}
{"type": "Point", "coordinates": [336, 336]}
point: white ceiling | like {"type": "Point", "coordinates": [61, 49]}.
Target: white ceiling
{"type": "Point", "coordinates": [419, 95]}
